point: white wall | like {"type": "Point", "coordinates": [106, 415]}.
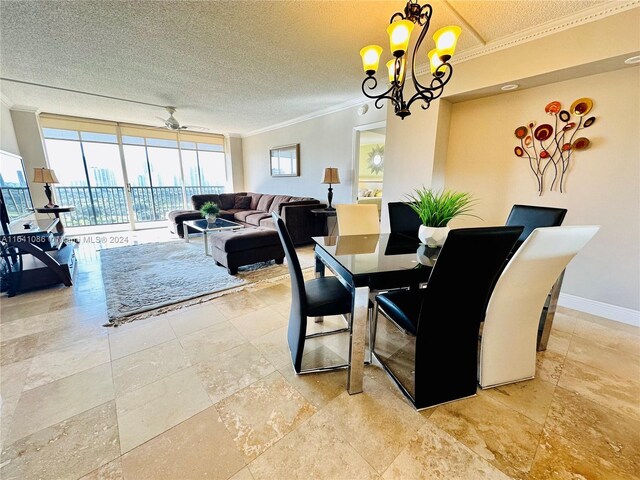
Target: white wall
{"type": "Point", "coordinates": [27, 128]}
{"type": "Point", "coordinates": [602, 186]}
{"type": "Point", "coordinates": [8, 142]}
{"type": "Point", "coordinates": [325, 141]}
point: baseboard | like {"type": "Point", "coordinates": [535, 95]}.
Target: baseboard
{"type": "Point", "coordinates": [601, 309]}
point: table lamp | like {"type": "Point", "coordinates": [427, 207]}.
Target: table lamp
{"type": "Point", "coordinates": [46, 176]}
{"type": "Point", "coordinates": [331, 177]}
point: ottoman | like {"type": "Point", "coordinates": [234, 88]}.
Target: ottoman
{"type": "Point", "coordinates": [234, 248]}
{"type": "Point", "coordinates": [176, 217]}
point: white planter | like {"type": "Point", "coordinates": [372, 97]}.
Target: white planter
{"type": "Point", "coordinates": [433, 236]}
{"type": "Point", "coordinates": [427, 255]}
{"type": "Point", "coordinates": [211, 218]}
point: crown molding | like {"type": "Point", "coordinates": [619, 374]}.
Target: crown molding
{"type": "Point", "coordinates": [319, 113]}
{"type": "Point", "coordinates": [589, 15]}
{"type": "Point", "coordinates": [25, 108]}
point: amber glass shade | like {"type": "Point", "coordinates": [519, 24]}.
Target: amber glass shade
{"type": "Point", "coordinates": [370, 58]}
{"type": "Point", "coordinates": [391, 66]}
{"type": "Point", "coordinates": [435, 62]}
{"type": "Point", "coordinates": [446, 39]}
{"type": "Point", "coordinates": [399, 36]}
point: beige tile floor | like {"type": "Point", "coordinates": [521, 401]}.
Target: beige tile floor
{"type": "Point", "coordinates": [208, 392]}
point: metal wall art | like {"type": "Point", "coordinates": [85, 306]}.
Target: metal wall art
{"type": "Point", "coordinates": [375, 160]}
{"type": "Point", "coordinates": [549, 148]}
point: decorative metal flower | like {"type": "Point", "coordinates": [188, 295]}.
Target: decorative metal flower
{"type": "Point", "coordinates": [376, 159]}
{"type": "Point", "coordinates": [555, 144]}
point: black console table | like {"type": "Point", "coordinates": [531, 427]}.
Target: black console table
{"type": "Point", "coordinates": [35, 257]}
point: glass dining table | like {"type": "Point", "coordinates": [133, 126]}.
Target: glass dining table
{"type": "Point", "coordinates": [367, 263]}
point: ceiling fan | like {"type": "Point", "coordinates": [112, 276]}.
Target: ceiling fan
{"type": "Point", "coordinates": [172, 124]}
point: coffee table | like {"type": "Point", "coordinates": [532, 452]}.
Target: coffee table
{"type": "Point", "coordinates": [205, 227]}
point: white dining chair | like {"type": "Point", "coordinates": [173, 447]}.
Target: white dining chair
{"type": "Point", "coordinates": [509, 335]}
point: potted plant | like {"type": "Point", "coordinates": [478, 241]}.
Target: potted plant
{"type": "Point", "coordinates": [436, 209]}
{"type": "Point", "coordinates": [210, 210]}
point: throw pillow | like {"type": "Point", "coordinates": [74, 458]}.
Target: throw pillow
{"type": "Point", "coordinates": [226, 200]}
{"type": "Point", "coordinates": [242, 203]}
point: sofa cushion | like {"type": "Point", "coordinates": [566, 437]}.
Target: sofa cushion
{"type": "Point", "coordinates": [198, 200]}
{"type": "Point", "coordinates": [255, 198]}
{"type": "Point", "coordinates": [242, 203]}
{"type": "Point", "coordinates": [278, 200]}
{"type": "Point", "coordinates": [267, 222]}
{"type": "Point", "coordinates": [255, 218]}
{"type": "Point", "coordinates": [227, 214]}
{"type": "Point", "coordinates": [293, 203]}
{"type": "Point", "coordinates": [265, 202]}
{"type": "Point", "coordinates": [303, 199]}
{"type": "Point", "coordinates": [244, 239]}
{"type": "Point", "coordinates": [226, 200]}
{"type": "Point", "coordinates": [175, 216]}
{"type": "Point", "coordinates": [243, 214]}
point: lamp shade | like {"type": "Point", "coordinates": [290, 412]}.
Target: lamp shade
{"type": "Point", "coordinates": [370, 58]}
{"type": "Point", "coordinates": [446, 39]}
{"type": "Point", "coordinates": [399, 35]}
{"type": "Point", "coordinates": [435, 62]}
{"type": "Point", "coordinates": [331, 175]}
{"type": "Point", "coordinates": [44, 175]}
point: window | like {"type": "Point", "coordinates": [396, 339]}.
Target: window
{"type": "Point", "coordinates": [13, 183]}
{"type": "Point", "coordinates": [162, 169]}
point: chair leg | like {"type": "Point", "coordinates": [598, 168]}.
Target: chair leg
{"type": "Point", "coordinates": [372, 330]}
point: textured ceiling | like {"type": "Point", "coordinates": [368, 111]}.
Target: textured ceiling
{"type": "Point", "coordinates": [231, 66]}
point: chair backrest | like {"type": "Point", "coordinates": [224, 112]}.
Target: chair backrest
{"type": "Point", "coordinates": [453, 306]}
{"type": "Point", "coordinates": [532, 217]}
{"type": "Point", "coordinates": [298, 294]}
{"type": "Point", "coordinates": [357, 219]}
{"type": "Point", "coordinates": [403, 219]}
{"type": "Point", "coordinates": [509, 335]}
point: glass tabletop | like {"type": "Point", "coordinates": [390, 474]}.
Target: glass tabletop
{"type": "Point", "coordinates": [219, 224]}
{"type": "Point", "coordinates": [385, 252]}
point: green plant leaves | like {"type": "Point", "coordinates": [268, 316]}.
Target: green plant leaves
{"type": "Point", "coordinates": [437, 208]}
{"type": "Point", "coordinates": [209, 208]}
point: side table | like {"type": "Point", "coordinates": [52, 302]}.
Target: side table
{"type": "Point", "coordinates": [323, 212]}
{"type": "Point", "coordinates": [57, 211]}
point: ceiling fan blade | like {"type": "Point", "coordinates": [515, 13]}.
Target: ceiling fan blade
{"type": "Point", "coordinates": [194, 127]}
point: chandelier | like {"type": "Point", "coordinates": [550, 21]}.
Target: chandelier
{"type": "Point", "coordinates": [399, 30]}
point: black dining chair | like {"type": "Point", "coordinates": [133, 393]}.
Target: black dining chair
{"type": "Point", "coordinates": [318, 297]}
{"type": "Point", "coordinates": [403, 219]}
{"type": "Point", "coordinates": [532, 217]}
{"type": "Point", "coordinates": [427, 339]}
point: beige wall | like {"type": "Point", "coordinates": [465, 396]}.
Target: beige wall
{"type": "Point", "coordinates": [325, 141]}
{"type": "Point", "coordinates": [602, 187]}
{"type": "Point", "coordinates": [235, 169]}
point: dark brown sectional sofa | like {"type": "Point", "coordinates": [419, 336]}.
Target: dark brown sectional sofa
{"type": "Point", "coordinates": [254, 209]}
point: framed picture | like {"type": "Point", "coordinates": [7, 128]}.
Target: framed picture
{"type": "Point", "coordinates": [285, 161]}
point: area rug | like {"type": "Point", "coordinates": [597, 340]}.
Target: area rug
{"type": "Point", "coordinates": [153, 278]}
